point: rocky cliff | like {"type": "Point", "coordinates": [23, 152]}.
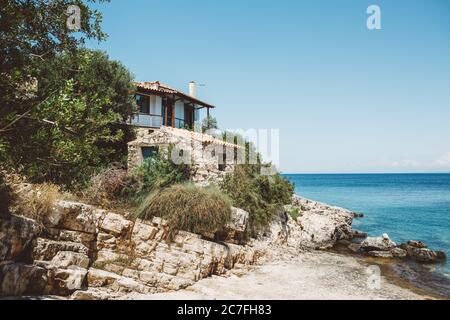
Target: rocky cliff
{"type": "Point", "coordinates": [82, 252]}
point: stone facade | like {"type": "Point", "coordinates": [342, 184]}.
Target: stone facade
{"type": "Point", "coordinates": [203, 152]}
{"type": "Point", "coordinates": [83, 252]}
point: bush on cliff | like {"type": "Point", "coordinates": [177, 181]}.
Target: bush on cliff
{"type": "Point", "coordinates": [106, 188]}
{"type": "Point", "coordinates": [37, 201]}
{"type": "Point", "coordinates": [260, 195]}
{"type": "Point", "coordinates": [189, 208]}
{"type": "Point", "coordinates": [157, 172]}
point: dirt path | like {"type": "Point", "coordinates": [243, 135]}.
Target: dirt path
{"type": "Point", "coordinates": [312, 275]}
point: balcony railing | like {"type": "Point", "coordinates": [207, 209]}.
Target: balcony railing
{"type": "Point", "coordinates": [156, 121]}
{"type": "Point", "coordinates": [148, 120]}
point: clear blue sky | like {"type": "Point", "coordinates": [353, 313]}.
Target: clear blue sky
{"type": "Point", "coordinates": [346, 99]}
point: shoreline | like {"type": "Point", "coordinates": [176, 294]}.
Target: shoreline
{"type": "Point", "coordinates": [309, 275]}
{"type": "Point", "coordinates": [416, 276]}
{"type": "Point", "coordinates": [396, 278]}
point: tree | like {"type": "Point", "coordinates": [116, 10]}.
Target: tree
{"type": "Point", "coordinates": [81, 125]}
{"type": "Point", "coordinates": [32, 32]}
{"type": "Point", "coordinates": [209, 123]}
{"type": "Point", "coordinates": [62, 107]}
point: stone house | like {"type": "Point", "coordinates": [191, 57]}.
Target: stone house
{"type": "Point", "coordinates": [161, 105]}
{"type": "Point", "coordinates": [166, 118]}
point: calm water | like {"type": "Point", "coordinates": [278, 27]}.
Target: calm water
{"type": "Point", "coordinates": [405, 206]}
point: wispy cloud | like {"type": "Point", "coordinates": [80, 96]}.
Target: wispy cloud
{"type": "Point", "coordinates": [444, 160]}
{"type": "Point", "coordinates": [404, 163]}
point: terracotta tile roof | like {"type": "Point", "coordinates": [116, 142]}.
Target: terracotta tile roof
{"type": "Point", "coordinates": [159, 88]}
{"type": "Point", "coordinates": [197, 136]}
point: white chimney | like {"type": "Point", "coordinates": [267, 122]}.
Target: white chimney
{"type": "Point", "coordinates": [192, 89]}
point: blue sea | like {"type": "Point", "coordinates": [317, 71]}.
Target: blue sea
{"type": "Point", "coordinates": [405, 206]}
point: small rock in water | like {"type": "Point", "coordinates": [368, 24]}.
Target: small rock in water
{"type": "Point", "coordinates": [416, 244]}
{"type": "Point", "coordinates": [358, 215]}
{"type": "Point", "coordinates": [393, 253]}
{"type": "Point", "coordinates": [382, 243]}
{"type": "Point", "coordinates": [423, 254]}
{"type": "Point", "coordinates": [398, 253]}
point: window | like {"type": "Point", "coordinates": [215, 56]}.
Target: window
{"type": "Point", "coordinates": [149, 152]}
{"type": "Point", "coordinates": [144, 103]}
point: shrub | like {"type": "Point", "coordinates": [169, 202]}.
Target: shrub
{"type": "Point", "coordinates": [209, 123]}
{"type": "Point", "coordinates": [189, 208]}
{"type": "Point", "coordinates": [260, 195]}
{"type": "Point", "coordinates": [155, 173]}
{"type": "Point", "coordinates": [107, 186]}
{"type": "Point", "coordinates": [37, 201]}
{"type": "Point", "coordinates": [293, 212]}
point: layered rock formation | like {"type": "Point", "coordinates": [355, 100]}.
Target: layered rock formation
{"type": "Point", "coordinates": [82, 252]}
{"type": "Point", "coordinates": [318, 226]}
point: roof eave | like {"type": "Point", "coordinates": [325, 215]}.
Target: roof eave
{"type": "Point", "coordinates": [179, 94]}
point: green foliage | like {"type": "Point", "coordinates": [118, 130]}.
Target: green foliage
{"type": "Point", "coordinates": [156, 173]}
{"type": "Point", "coordinates": [209, 123]}
{"type": "Point", "coordinates": [80, 126]}
{"type": "Point", "coordinates": [62, 108]}
{"type": "Point", "coordinates": [294, 212]}
{"type": "Point", "coordinates": [260, 195]}
{"type": "Point", "coordinates": [33, 32]}
{"type": "Point", "coordinates": [189, 208]}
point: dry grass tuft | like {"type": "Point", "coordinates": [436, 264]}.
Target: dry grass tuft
{"type": "Point", "coordinates": [190, 208]}
{"type": "Point", "coordinates": [37, 201]}
{"type": "Point", "coordinates": [105, 188]}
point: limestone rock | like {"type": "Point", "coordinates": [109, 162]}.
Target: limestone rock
{"type": "Point", "coordinates": [382, 243]}
{"type": "Point", "coordinates": [393, 253]}
{"type": "Point", "coordinates": [424, 254]}
{"type": "Point", "coordinates": [398, 253]}
{"type": "Point", "coordinates": [17, 279]}
{"type": "Point", "coordinates": [66, 281]}
{"type": "Point", "coordinates": [46, 249]}
{"type": "Point", "coordinates": [100, 278]}
{"type": "Point", "coordinates": [72, 216]}
{"type": "Point", "coordinates": [416, 244]}
{"type": "Point", "coordinates": [94, 294]}
{"type": "Point", "coordinates": [381, 254]}
{"type": "Point", "coordinates": [115, 223]}
{"type": "Point", "coordinates": [321, 229]}
{"type": "Point", "coordinates": [16, 237]}
{"type": "Point", "coordinates": [66, 259]}
{"type": "Point", "coordinates": [143, 231]}
{"type": "Point", "coordinates": [88, 253]}
{"type": "Point", "coordinates": [322, 225]}
{"type": "Point", "coordinates": [239, 220]}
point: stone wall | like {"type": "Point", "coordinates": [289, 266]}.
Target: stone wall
{"type": "Point", "coordinates": [82, 252]}
{"type": "Point", "coordinates": [202, 151]}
